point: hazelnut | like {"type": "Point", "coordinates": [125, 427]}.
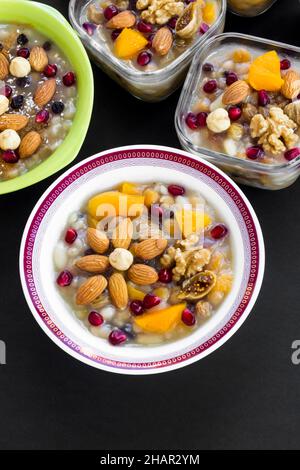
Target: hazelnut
{"type": "Point", "coordinates": [9, 140]}
{"type": "Point", "coordinates": [121, 259]}
{"type": "Point", "coordinates": [218, 121]}
{"type": "Point", "coordinates": [20, 67]}
{"type": "Point", "coordinates": [4, 104]}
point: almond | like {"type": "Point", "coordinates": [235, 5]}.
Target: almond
{"type": "Point", "coordinates": [291, 85]}
{"type": "Point", "coordinates": [97, 240]}
{"type": "Point", "coordinates": [93, 263]}
{"type": "Point", "coordinates": [13, 121]}
{"type": "Point", "coordinates": [4, 67]}
{"type": "Point", "coordinates": [236, 93]}
{"type": "Point", "coordinates": [29, 144]}
{"type": "Point", "coordinates": [122, 235]}
{"type": "Point", "coordinates": [90, 290]}
{"type": "Point", "coordinates": [150, 248]}
{"type": "Point", "coordinates": [142, 274]}
{"type": "Point", "coordinates": [38, 58]}
{"type": "Point", "coordinates": [162, 41]}
{"type": "Point", "coordinates": [45, 92]}
{"type": "Point", "coordinates": [125, 19]}
{"type": "Point", "coordinates": [118, 290]}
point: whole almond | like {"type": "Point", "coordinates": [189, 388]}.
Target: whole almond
{"type": "Point", "coordinates": [291, 85]}
{"type": "Point", "coordinates": [142, 274]}
{"type": "Point", "coordinates": [4, 67]}
{"type": "Point", "coordinates": [45, 92]}
{"type": "Point", "coordinates": [125, 19]}
{"type": "Point", "coordinates": [97, 240]}
{"type": "Point", "coordinates": [90, 290]}
{"type": "Point", "coordinates": [93, 263]}
{"type": "Point", "coordinates": [162, 41]}
{"type": "Point", "coordinates": [150, 248]}
{"type": "Point", "coordinates": [236, 93]}
{"type": "Point", "coordinates": [122, 234]}
{"type": "Point", "coordinates": [13, 121]}
{"type": "Point", "coordinates": [118, 290]}
{"type": "Point", "coordinates": [29, 144]}
{"type": "Point", "coordinates": [38, 58]}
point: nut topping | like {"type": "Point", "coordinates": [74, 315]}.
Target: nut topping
{"type": "Point", "coordinates": [90, 290]}
{"type": "Point", "coordinates": [236, 93]}
{"type": "Point", "coordinates": [93, 263]}
{"type": "Point", "coordinates": [29, 144]}
{"type": "Point", "coordinates": [4, 67]}
{"type": "Point", "coordinates": [45, 92]}
{"type": "Point", "coordinates": [38, 58]}
{"type": "Point", "coordinates": [118, 290]}
{"type": "Point", "coordinates": [125, 19]}
{"type": "Point", "coordinates": [162, 41]}
{"type": "Point", "coordinates": [291, 85]}
{"type": "Point", "coordinates": [142, 274]}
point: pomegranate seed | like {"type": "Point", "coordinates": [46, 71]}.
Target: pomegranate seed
{"type": "Point", "coordinates": [150, 301]}
{"type": "Point", "coordinates": [10, 156]}
{"type": "Point", "coordinates": [191, 121]}
{"type": "Point", "coordinates": [176, 190]}
{"type": "Point", "coordinates": [69, 79]}
{"type": "Point", "coordinates": [70, 236]}
{"type": "Point", "coordinates": [144, 27]}
{"type": "Point", "coordinates": [219, 231]}
{"type": "Point", "coordinates": [42, 117]}
{"type": "Point", "coordinates": [172, 22]}
{"type": "Point", "coordinates": [201, 119]}
{"type": "Point", "coordinates": [210, 86]}
{"type": "Point", "coordinates": [95, 318]}
{"type": "Point", "coordinates": [50, 70]}
{"type": "Point", "coordinates": [208, 67]}
{"type": "Point", "coordinates": [263, 98]}
{"type": "Point", "coordinates": [285, 64]}
{"type": "Point", "coordinates": [89, 28]}
{"type": "Point", "coordinates": [117, 337]}
{"type": "Point", "coordinates": [231, 77]}
{"type": "Point", "coordinates": [234, 113]}
{"type": "Point", "coordinates": [110, 11]}
{"type": "Point", "coordinates": [23, 52]}
{"type": "Point", "coordinates": [7, 91]}
{"type": "Point", "coordinates": [165, 276]}
{"type": "Point", "coordinates": [136, 307]}
{"type": "Point", "coordinates": [64, 279]}
{"type": "Point", "coordinates": [254, 152]}
{"type": "Point", "coordinates": [292, 154]}
{"type": "Point", "coordinates": [144, 58]}
{"type": "Point", "coordinates": [203, 28]}
{"type": "Point", "coordinates": [188, 317]}
{"type": "Point", "coordinates": [115, 34]}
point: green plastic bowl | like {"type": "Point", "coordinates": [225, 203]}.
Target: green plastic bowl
{"type": "Point", "coordinates": [55, 27]}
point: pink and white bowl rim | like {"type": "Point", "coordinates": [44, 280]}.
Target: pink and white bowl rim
{"type": "Point", "coordinates": [165, 154]}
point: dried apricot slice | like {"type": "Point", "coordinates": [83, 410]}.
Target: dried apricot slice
{"type": "Point", "coordinates": [209, 12]}
{"type": "Point", "coordinates": [129, 43]}
{"type": "Point", "coordinates": [264, 72]}
{"type": "Point", "coordinates": [160, 321]}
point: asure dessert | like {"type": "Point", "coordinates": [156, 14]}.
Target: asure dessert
{"type": "Point", "coordinates": [144, 264]}
{"type": "Point", "coordinates": [247, 106]}
{"type": "Point", "coordinates": [250, 7]}
{"type": "Point", "coordinates": [149, 34]}
{"type": "Point", "coordinates": [37, 99]}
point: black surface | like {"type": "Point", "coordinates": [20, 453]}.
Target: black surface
{"type": "Point", "coordinates": [245, 395]}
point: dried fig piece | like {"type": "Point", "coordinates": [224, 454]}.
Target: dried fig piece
{"type": "Point", "coordinates": [188, 23]}
{"type": "Point", "coordinates": [198, 286]}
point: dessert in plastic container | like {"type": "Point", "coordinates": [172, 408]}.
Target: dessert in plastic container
{"type": "Point", "coordinates": [259, 156]}
{"type": "Point", "coordinates": [150, 83]}
{"type": "Point", "coordinates": [249, 7]}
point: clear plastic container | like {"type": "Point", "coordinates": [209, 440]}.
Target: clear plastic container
{"type": "Point", "coordinates": [249, 172]}
{"type": "Point", "coordinates": [148, 86]}
{"type": "Point", "coordinates": [249, 7]}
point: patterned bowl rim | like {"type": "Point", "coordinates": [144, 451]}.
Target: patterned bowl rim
{"type": "Point", "coordinates": [143, 152]}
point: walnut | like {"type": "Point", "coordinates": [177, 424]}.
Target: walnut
{"type": "Point", "coordinates": [203, 309]}
{"type": "Point", "coordinates": [159, 11]}
{"type": "Point", "coordinates": [276, 132]}
{"type": "Point", "coordinates": [168, 258]}
{"type": "Point", "coordinates": [188, 242]}
{"type": "Point", "coordinates": [293, 111]}
{"type": "Point", "coordinates": [235, 131]}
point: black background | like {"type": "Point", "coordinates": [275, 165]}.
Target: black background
{"type": "Point", "coordinates": [246, 395]}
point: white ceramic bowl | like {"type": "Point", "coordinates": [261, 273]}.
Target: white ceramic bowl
{"type": "Point", "coordinates": [141, 163]}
